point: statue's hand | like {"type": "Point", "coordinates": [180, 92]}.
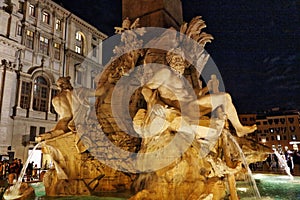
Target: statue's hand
{"type": "Point", "coordinates": [43, 137]}
{"type": "Point", "coordinates": [49, 135]}
{"type": "Point", "coordinates": [159, 110]}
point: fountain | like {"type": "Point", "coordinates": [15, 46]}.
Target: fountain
{"type": "Point", "coordinates": [154, 132]}
{"type": "Point", "coordinates": [283, 163]}
{"type": "Point", "coordinates": [20, 189]}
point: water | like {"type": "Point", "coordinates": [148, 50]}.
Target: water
{"type": "Point", "coordinates": [275, 187]}
{"type": "Point", "coordinates": [283, 163]}
{"type": "Point", "coordinates": [14, 191]}
{"type": "Point", "coordinates": [251, 182]}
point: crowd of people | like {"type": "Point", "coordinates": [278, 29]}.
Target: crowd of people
{"type": "Point", "coordinates": [275, 164]}
{"type": "Point", "coordinates": [10, 171]}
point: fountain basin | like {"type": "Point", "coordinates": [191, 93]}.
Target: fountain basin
{"type": "Point", "coordinates": [273, 186]}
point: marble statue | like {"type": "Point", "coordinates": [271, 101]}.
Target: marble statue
{"type": "Point", "coordinates": [168, 103]}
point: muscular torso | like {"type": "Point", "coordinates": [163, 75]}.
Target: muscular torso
{"type": "Point", "coordinates": [171, 87]}
{"type": "Point", "coordinates": [62, 103]}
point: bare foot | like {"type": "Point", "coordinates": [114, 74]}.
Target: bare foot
{"type": "Point", "coordinates": [245, 130]}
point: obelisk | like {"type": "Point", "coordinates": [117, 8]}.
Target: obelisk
{"type": "Point", "coordinates": [154, 13]}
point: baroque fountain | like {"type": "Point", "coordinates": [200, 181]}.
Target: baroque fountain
{"type": "Point", "coordinates": [156, 129]}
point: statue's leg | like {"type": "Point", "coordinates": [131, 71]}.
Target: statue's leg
{"type": "Point", "coordinates": [224, 99]}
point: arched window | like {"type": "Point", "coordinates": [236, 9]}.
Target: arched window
{"type": "Point", "coordinates": [40, 94]}
{"type": "Point", "coordinates": [79, 42]}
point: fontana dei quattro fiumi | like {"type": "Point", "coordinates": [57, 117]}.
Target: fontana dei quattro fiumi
{"type": "Point", "coordinates": [152, 129]}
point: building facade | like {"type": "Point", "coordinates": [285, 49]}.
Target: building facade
{"type": "Point", "coordinates": [39, 42]}
{"type": "Point", "coordinates": [279, 130]}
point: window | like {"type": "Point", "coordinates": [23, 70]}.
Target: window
{"type": "Point", "coordinates": [40, 94]}
{"type": "Point", "coordinates": [94, 50]}
{"type": "Point", "coordinates": [44, 45]}
{"type": "Point", "coordinates": [53, 94]}
{"type": "Point", "coordinates": [46, 17]}
{"type": "Point", "coordinates": [56, 51]}
{"type": "Point", "coordinates": [58, 24]}
{"type": "Point", "coordinates": [79, 77]}
{"type": "Point", "coordinates": [32, 133]}
{"type": "Point", "coordinates": [78, 49]}
{"type": "Point", "coordinates": [31, 10]}
{"type": "Point", "coordinates": [25, 95]}
{"type": "Point", "coordinates": [93, 83]}
{"type": "Point", "coordinates": [42, 130]}
{"type": "Point", "coordinates": [291, 120]}
{"type": "Point", "coordinates": [278, 137]}
{"type": "Point", "coordinates": [292, 128]}
{"type": "Point", "coordinates": [21, 7]}
{"type": "Point", "coordinates": [78, 36]}
{"type": "Point", "coordinates": [19, 29]}
{"type": "Point", "coordinates": [29, 39]}
{"type": "Point", "coordinates": [79, 43]}
{"type": "Point", "coordinates": [270, 121]}
{"type": "Point", "coordinates": [272, 138]}
{"type": "Point", "coordinates": [294, 137]}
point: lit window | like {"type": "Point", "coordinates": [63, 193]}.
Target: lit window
{"type": "Point", "coordinates": [278, 137]}
{"type": "Point", "coordinates": [29, 39]}
{"type": "Point", "coordinates": [44, 45]}
{"type": "Point", "coordinates": [40, 94]}
{"type": "Point", "coordinates": [79, 43]}
{"type": "Point", "coordinates": [57, 51]}
{"type": "Point", "coordinates": [78, 49]}
{"type": "Point", "coordinates": [31, 10]}
{"type": "Point", "coordinates": [46, 17]}
{"type": "Point", "coordinates": [294, 137]}
{"type": "Point", "coordinates": [263, 140]}
{"type": "Point", "coordinates": [271, 130]}
{"type": "Point", "coordinates": [78, 36]}
{"type": "Point", "coordinates": [58, 24]}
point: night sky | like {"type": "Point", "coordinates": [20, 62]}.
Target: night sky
{"type": "Point", "coordinates": [256, 45]}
